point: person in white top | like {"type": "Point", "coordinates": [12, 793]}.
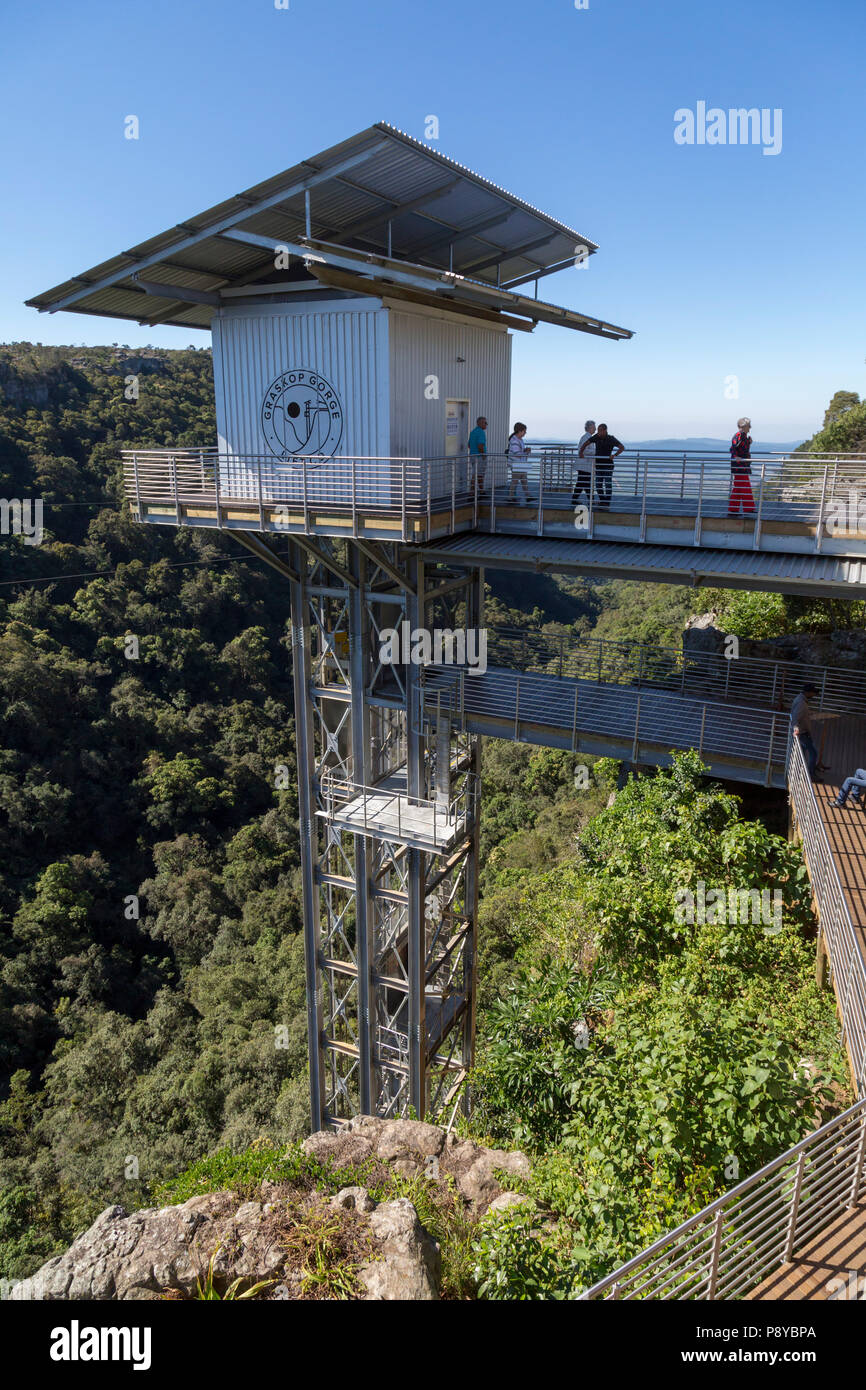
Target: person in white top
{"type": "Point", "coordinates": [517, 454]}
{"type": "Point", "coordinates": [584, 477]}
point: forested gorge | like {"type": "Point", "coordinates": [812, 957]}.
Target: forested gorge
{"type": "Point", "coordinates": [147, 860]}
{"type": "Point", "coordinates": [151, 962]}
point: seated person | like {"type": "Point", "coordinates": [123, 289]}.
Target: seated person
{"type": "Point", "coordinates": [853, 787]}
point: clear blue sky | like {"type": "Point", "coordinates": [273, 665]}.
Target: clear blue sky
{"type": "Point", "coordinates": [725, 261]}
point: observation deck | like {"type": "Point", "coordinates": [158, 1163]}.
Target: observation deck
{"type": "Point", "coordinates": [803, 504]}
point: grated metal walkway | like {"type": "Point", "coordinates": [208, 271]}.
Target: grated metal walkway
{"type": "Point", "coordinates": [602, 719]}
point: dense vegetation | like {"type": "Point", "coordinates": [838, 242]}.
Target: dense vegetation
{"type": "Point", "coordinates": [149, 894]}
{"type": "Point", "coordinates": [147, 887]}
{"type": "Point", "coordinates": [645, 1060]}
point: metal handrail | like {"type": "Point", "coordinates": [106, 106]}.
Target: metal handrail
{"type": "Point", "coordinates": [339, 791]}
{"type": "Point", "coordinates": [582, 709]}
{"type": "Point", "coordinates": [740, 1238]}
{"type": "Point", "coordinates": [844, 951]}
{"type": "Point", "coordinates": [742, 679]}
{"type": "Point", "coordinates": [799, 489]}
{"type": "Point", "coordinates": [737, 1240]}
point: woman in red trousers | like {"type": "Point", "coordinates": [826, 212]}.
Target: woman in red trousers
{"type": "Point", "coordinates": [741, 470]}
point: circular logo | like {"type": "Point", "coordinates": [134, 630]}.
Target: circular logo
{"type": "Point", "coordinates": [302, 415]}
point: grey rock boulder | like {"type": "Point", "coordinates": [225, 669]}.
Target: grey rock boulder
{"type": "Point", "coordinates": [408, 1263]}
{"type": "Point", "coordinates": [141, 1255]}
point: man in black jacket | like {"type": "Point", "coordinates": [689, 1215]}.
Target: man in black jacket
{"type": "Point", "coordinates": [605, 445]}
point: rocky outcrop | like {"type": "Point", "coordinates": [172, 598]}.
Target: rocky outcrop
{"type": "Point", "coordinates": [167, 1251]}
{"type": "Point", "coordinates": [844, 647]}
{"type": "Point", "coordinates": [412, 1148]}
{"type": "Point", "coordinates": [407, 1264]}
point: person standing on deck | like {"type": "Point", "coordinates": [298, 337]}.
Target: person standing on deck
{"type": "Point", "coordinates": [801, 717]}
{"type": "Point", "coordinates": [478, 455]}
{"type": "Point", "coordinates": [741, 470]}
{"type": "Point", "coordinates": [517, 454]}
{"type": "Point", "coordinates": [604, 445]}
{"type": "Point", "coordinates": [584, 477]}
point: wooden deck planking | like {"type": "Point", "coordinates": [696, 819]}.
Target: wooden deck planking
{"type": "Point", "coordinates": [842, 745]}
{"type": "Point", "coordinates": [822, 1268]}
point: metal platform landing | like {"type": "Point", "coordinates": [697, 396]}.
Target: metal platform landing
{"type": "Point", "coordinates": [387, 811]}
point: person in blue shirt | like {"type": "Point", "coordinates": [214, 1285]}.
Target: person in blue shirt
{"type": "Point", "coordinates": [478, 454]}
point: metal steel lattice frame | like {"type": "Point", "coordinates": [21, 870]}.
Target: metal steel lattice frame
{"type": "Point", "coordinates": [388, 808]}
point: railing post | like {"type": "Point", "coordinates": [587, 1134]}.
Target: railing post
{"type": "Point", "coordinates": [306, 506]}
{"type": "Point", "coordinates": [697, 537]}
{"type": "Point", "coordinates": [844, 1009]}
{"type": "Point", "coordinates": [517, 712]}
{"type": "Point", "coordinates": [216, 489]}
{"type": "Point", "coordinates": [137, 485]}
{"type": "Point", "coordinates": [756, 544]}
{"type": "Point", "coordinates": [795, 1208]}
{"type": "Point", "coordinates": [561, 646]}
{"type": "Point", "coordinates": [591, 500]}
{"type": "Point", "coordinates": [642, 530]}
{"type": "Point", "coordinates": [355, 499]}
{"type": "Point", "coordinates": [683, 479]}
{"type": "Point", "coordinates": [858, 1163]}
{"type": "Point", "coordinates": [261, 499]}
{"type": "Point", "coordinates": [403, 500]}
{"type": "Point", "coordinates": [453, 494]}
{"type": "Point", "coordinates": [770, 752]}
{"type": "Point", "coordinates": [714, 1256]}
{"type": "Point", "coordinates": [634, 746]}
{"type": "Point", "coordinates": [703, 726]}
{"type": "Point", "coordinates": [819, 530]}
{"type": "Point", "coordinates": [574, 724]}
{"type": "Point", "coordinates": [600, 650]}
{"type": "Point", "coordinates": [173, 468]}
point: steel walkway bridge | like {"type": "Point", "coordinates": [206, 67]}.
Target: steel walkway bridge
{"type": "Point", "coordinates": [638, 702]}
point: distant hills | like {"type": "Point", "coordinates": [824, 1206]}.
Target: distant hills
{"type": "Point", "coordinates": [759, 446]}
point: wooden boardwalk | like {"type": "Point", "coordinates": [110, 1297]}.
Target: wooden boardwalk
{"type": "Point", "coordinates": [842, 744]}
{"type": "Point", "coordinates": [824, 1267]}
{"type": "Point", "coordinates": [833, 1263]}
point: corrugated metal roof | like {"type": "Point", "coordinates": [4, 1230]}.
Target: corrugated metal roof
{"type": "Point", "coordinates": [443, 216]}
{"type": "Point", "coordinates": [825, 575]}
